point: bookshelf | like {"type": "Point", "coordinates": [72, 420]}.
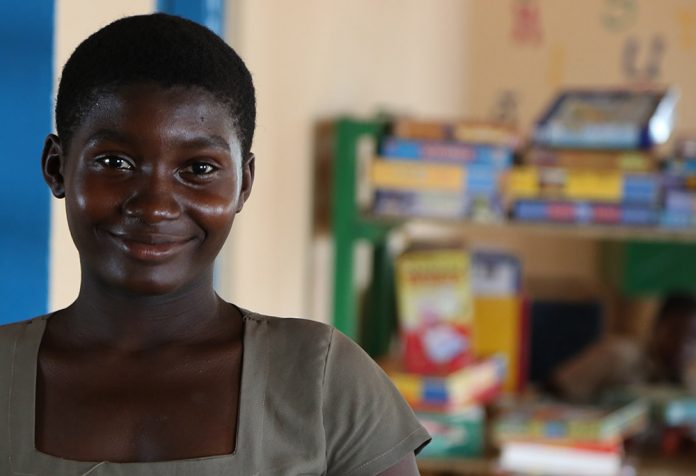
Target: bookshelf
{"type": "Point", "coordinates": [351, 224]}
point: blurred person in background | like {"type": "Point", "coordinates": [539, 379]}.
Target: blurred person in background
{"type": "Point", "coordinates": [616, 362]}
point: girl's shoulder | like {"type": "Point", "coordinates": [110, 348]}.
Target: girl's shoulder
{"type": "Point", "coordinates": [290, 331]}
{"type": "Point", "coordinates": [286, 322]}
{"type": "Point", "coordinates": [11, 331]}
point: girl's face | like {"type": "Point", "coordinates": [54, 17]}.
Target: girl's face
{"type": "Point", "coordinates": [152, 180]}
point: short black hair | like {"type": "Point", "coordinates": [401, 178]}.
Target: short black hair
{"type": "Point", "coordinates": [163, 49]}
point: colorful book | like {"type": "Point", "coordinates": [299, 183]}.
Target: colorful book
{"type": "Point", "coordinates": [679, 180]}
{"type": "Point", "coordinates": [425, 204]}
{"type": "Point", "coordinates": [679, 208]}
{"type": "Point", "coordinates": [680, 200]}
{"type": "Point", "coordinates": [405, 175]}
{"type": "Point", "coordinates": [435, 309]}
{"type": "Point", "coordinates": [622, 160]}
{"type": "Point", "coordinates": [682, 166]}
{"type": "Point", "coordinates": [570, 424]}
{"type": "Point", "coordinates": [417, 176]}
{"type": "Point", "coordinates": [677, 219]}
{"type": "Point", "coordinates": [475, 132]}
{"type": "Point", "coordinates": [481, 132]}
{"type": "Point", "coordinates": [422, 129]}
{"type": "Point", "coordinates": [607, 119]}
{"type": "Point", "coordinates": [446, 205]}
{"type": "Point", "coordinates": [539, 458]}
{"type": "Point", "coordinates": [585, 213]}
{"type": "Point", "coordinates": [475, 383]}
{"type": "Point", "coordinates": [584, 184]}
{"type": "Point", "coordinates": [493, 156]}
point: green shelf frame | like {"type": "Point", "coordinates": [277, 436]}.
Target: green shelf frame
{"type": "Point", "coordinates": [348, 228]}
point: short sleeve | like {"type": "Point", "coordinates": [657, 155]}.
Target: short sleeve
{"type": "Point", "coordinates": [8, 342]}
{"type": "Point", "coordinates": [369, 426]}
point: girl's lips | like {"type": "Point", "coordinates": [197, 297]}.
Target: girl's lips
{"type": "Point", "coordinates": [150, 247]}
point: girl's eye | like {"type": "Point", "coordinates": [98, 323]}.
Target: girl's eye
{"type": "Point", "coordinates": [200, 169]}
{"type": "Point", "coordinates": [114, 162]}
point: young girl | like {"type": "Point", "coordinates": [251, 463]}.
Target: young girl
{"type": "Point", "coordinates": [149, 372]}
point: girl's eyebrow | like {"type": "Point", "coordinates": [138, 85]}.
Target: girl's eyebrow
{"type": "Point", "coordinates": [198, 142]}
{"type": "Point", "coordinates": [108, 134]}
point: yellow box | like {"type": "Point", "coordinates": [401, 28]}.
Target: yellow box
{"type": "Point", "coordinates": [523, 182]}
{"type": "Point", "coordinates": [498, 328]}
{"type": "Point", "coordinates": [413, 175]}
{"type": "Point", "coordinates": [590, 185]}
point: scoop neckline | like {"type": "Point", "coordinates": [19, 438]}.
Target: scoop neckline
{"type": "Point", "coordinates": [22, 416]}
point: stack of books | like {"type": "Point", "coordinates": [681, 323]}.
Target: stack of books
{"type": "Point", "coordinates": [443, 170]}
{"type": "Point", "coordinates": [569, 440]}
{"type": "Point", "coordinates": [680, 186]}
{"type": "Point", "coordinates": [451, 407]}
{"type": "Point", "coordinates": [474, 384]}
{"type": "Point", "coordinates": [438, 373]}
{"type": "Point", "coordinates": [593, 160]}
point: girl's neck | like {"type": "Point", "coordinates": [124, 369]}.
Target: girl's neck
{"type": "Point", "coordinates": [102, 317]}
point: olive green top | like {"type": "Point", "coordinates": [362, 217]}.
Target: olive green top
{"type": "Point", "coordinates": [311, 402]}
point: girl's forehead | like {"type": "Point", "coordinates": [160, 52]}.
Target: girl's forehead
{"type": "Point", "coordinates": [143, 109]}
{"type": "Point", "coordinates": [151, 98]}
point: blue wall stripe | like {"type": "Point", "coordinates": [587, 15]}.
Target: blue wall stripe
{"type": "Point", "coordinates": [206, 12]}
{"type": "Point", "coordinates": [26, 56]}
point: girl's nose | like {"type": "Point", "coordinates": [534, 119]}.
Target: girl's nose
{"type": "Point", "coordinates": [155, 201]}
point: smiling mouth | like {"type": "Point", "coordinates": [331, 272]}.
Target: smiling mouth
{"type": "Point", "coordinates": [150, 247]}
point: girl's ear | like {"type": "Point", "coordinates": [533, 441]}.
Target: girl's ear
{"type": "Point", "coordinates": [248, 169]}
{"type": "Point", "coordinates": [52, 165]}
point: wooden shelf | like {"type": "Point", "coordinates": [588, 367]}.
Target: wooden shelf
{"type": "Point", "coordinates": [458, 466]}
{"type": "Point", "coordinates": [644, 465]}
{"type": "Point", "coordinates": [597, 232]}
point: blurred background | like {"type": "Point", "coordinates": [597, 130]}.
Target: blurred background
{"type": "Point", "coordinates": [568, 257]}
